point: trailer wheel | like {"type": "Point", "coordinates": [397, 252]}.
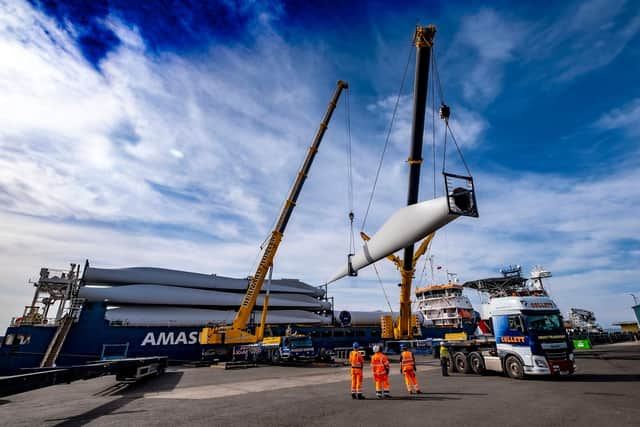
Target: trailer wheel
{"type": "Point", "coordinates": [461, 363]}
{"type": "Point", "coordinates": [514, 368]}
{"type": "Point", "coordinates": [477, 363]}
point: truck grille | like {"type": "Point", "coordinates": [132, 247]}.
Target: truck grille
{"type": "Point", "coordinates": [556, 355]}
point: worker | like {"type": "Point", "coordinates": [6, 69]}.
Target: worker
{"type": "Point", "coordinates": [444, 359]}
{"type": "Point", "coordinates": [357, 364]}
{"type": "Point", "coordinates": [408, 369]}
{"type": "Point", "coordinates": [380, 369]}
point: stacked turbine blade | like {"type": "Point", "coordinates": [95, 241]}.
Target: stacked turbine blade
{"type": "Point", "coordinates": [156, 296]}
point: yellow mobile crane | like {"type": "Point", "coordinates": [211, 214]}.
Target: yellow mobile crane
{"type": "Point", "coordinates": [237, 332]}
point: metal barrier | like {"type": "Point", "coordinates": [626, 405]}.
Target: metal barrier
{"type": "Point", "coordinates": [341, 353]}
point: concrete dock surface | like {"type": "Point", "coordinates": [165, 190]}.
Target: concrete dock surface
{"type": "Point", "coordinates": [604, 391]}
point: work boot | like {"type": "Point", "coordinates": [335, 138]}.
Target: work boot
{"type": "Point", "coordinates": [418, 392]}
{"type": "Point", "coordinates": [353, 396]}
{"type": "Point", "coordinates": [361, 396]}
{"type": "Point", "coordinates": [378, 395]}
{"type": "Point", "coordinates": [412, 392]}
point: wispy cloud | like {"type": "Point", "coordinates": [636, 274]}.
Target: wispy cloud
{"type": "Point", "coordinates": [468, 125]}
{"type": "Point", "coordinates": [585, 36]}
{"type": "Point", "coordinates": [626, 118]}
{"type": "Point", "coordinates": [485, 43]}
{"type": "Point", "coordinates": [182, 161]}
{"type": "Point", "coordinates": [97, 138]}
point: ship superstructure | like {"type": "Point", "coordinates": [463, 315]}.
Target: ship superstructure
{"type": "Point", "coordinates": [584, 321]}
{"type": "Point", "coordinates": [444, 305]}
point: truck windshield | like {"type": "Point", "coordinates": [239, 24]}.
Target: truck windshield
{"type": "Point", "coordinates": [543, 322]}
{"type": "Point", "coordinates": [301, 342]}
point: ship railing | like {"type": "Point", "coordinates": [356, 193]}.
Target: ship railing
{"type": "Point", "coordinates": [443, 316]}
{"type": "Point", "coordinates": [31, 321]}
{"type": "Point", "coordinates": [440, 304]}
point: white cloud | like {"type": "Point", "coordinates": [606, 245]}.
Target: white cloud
{"type": "Point", "coordinates": [79, 148]}
{"type": "Point", "coordinates": [626, 118]}
{"type": "Point", "coordinates": [468, 126]}
{"type": "Point", "coordinates": [176, 153]}
{"type": "Point", "coordinates": [101, 137]}
{"type": "Point", "coordinates": [485, 43]}
{"type": "Point", "coordinates": [587, 36]}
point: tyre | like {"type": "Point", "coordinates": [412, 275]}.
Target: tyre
{"type": "Point", "coordinates": [514, 369]}
{"type": "Point", "coordinates": [461, 363]}
{"type": "Point", "coordinates": [276, 359]}
{"type": "Point", "coordinates": [452, 364]}
{"type": "Point", "coordinates": [477, 363]}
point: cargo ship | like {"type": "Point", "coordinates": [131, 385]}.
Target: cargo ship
{"type": "Point", "coordinates": [103, 314]}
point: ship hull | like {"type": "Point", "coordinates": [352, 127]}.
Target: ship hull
{"type": "Point", "coordinates": [94, 338]}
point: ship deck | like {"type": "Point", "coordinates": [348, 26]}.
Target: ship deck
{"type": "Point", "coordinates": [602, 392]}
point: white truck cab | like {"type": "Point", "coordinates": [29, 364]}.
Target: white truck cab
{"type": "Point", "coordinates": [521, 331]}
{"type": "Point", "coordinates": [531, 329]}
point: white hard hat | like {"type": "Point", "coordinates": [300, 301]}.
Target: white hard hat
{"type": "Point", "coordinates": [376, 348]}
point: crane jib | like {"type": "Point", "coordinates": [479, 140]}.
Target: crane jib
{"type": "Point", "coordinates": [255, 284]}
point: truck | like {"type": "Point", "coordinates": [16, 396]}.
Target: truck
{"type": "Point", "coordinates": [281, 349]}
{"type": "Point", "coordinates": [521, 331]}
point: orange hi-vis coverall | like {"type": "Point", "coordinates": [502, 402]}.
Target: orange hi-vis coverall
{"type": "Point", "coordinates": [357, 364]}
{"type": "Point", "coordinates": [380, 369]}
{"type": "Point", "coordinates": [408, 368]}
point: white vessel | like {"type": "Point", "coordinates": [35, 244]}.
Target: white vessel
{"type": "Point", "coordinates": [444, 305]}
{"type": "Point", "coordinates": [582, 320]}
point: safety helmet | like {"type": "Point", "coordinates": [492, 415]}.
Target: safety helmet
{"type": "Point", "coordinates": [356, 345]}
{"type": "Point", "coordinates": [376, 348]}
{"type": "Point", "coordinates": [401, 346]}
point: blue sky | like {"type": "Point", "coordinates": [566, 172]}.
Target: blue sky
{"type": "Point", "coordinates": [167, 134]}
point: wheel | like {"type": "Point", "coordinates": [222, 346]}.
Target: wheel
{"type": "Point", "coordinates": [513, 366]}
{"type": "Point", "coordinates": [477, 363]}
{"type": "Point", "coordinates": [276, 359]}
{"type": "Point", "coordinates": [452, 364]}
{"type": "Point", "coordinates": [461, 363]}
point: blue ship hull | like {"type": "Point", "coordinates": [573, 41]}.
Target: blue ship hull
{"type": "Point", "coordinates": [93, 338]}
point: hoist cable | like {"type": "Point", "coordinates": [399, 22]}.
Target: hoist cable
{"type": "Point", "coordinates": [455, 142]}
{"type": "Point", "coordinates": [444, 149]}
{"type": "Point", "coordinates": [386, 143]}
{"type": "Point", "coordinates": [384, 292]}
{"type": "Point", "coordinates": [448, 129]}
{"type": "Point", "coordinates": [424, 265]}
{"type": "Point", "coordinates": [437, 74]}
{"type": "Point", "coordinates": [433, 130]}
{"type": "Point", "coordinates": [350, 177]}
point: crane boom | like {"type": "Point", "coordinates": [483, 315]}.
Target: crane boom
{"type": "Point", "coordinates": [424, 42]}
{"type": "Point", "coordinates": [236, 333]}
